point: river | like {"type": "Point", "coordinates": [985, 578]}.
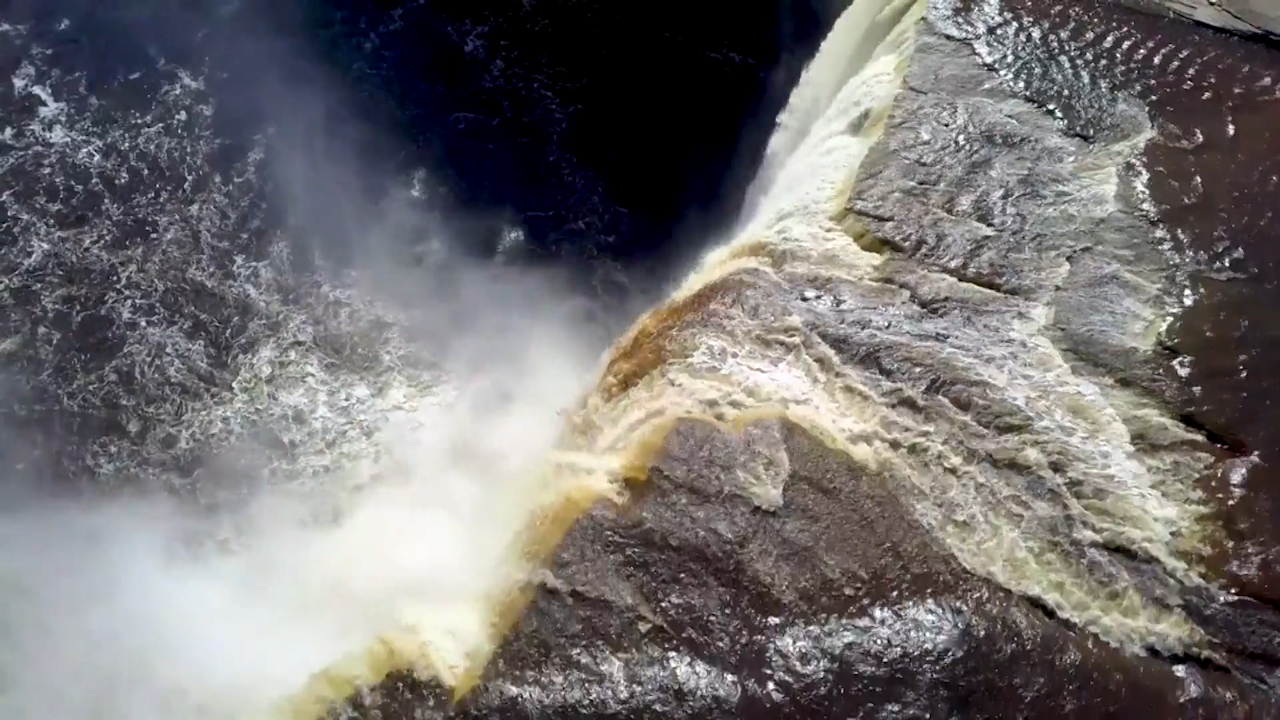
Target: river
{"type": "Point", "coordinates": [288, 266]}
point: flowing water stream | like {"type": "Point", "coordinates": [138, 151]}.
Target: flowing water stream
{"type": "Point", "coordinates": [390, 500]}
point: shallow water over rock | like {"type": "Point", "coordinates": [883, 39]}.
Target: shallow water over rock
{"type": "Point", "coordinates": [693, 603]}
{"type": "Point", "coordinates": [983, 434]}
{"type": "Point", "coordinates": [1211, 171]}
{"type": "Point", "coordinates": [752, 583]}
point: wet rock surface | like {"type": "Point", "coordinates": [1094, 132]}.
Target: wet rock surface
{"type": "Point", "coordinates": [829, 597]}
{"type": "Point", "coordinates": [974, 183]}
{"type": "Point", "coordinates": [985, 188]}
{"type": "Point", "coordinates": [1211, 171]}
{"type": "Point", "coordinates": [693, 602]}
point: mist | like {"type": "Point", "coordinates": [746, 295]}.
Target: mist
{"type": "Point", "coordinates": [135, 604]}
{"type": "Point", "coordinates": [122, 609]}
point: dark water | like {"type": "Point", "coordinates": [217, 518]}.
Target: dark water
{"type": "Point", "coordinates": [615, 130]}
{"type": "Point", "coordinates": [626, 132]}
{"type": "Point", "coordinates": [603, 125]}
{"type": "Point", "coordinates": [598, 128]}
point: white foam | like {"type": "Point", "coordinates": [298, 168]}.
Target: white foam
{"type": "Point", "coordinates": [391, 512]}
{"type": "Point", "coordinates": [726, 362]}
{"type": "Point", "coordinates": [287, 620]}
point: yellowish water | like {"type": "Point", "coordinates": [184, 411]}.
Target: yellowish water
{"type": "Point", "coordinates": [703, 355]}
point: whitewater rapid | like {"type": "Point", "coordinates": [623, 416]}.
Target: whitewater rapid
{"type": "Point", "coordinates": [711, 353]}
{"type": "Point", "coordinates": [708, 354]}
{"type": "Point", "coordinates": [333, 480]}
{"type": "Point", "coordinates": [643, 388]}
{"type": "Point", "coordinates": [434, 489]}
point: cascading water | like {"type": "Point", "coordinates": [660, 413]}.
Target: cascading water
{"type": "Point", "coordinates": [449, 500]}
{"type": "Point", "coordinates": [300, 400]}
{"type": "Point", "coordinates": [1014, 506]}
{"type": "Point", "coordinates": [813, 156]}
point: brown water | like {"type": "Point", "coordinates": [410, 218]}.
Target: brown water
{"type": "Point", "coordinates": [1214, 172]}
{"type": "Point", "coordinates": [993, 652]}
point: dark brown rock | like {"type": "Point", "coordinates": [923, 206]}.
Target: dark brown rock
{"type": "Point", "coordinates": [831, 594]}
{"type": "Point", "coordinates": [693, 602]}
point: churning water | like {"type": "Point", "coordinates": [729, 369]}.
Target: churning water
{"type": "Point", "coordinates": [404, 494]}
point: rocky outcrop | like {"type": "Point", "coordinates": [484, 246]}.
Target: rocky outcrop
{"type": "Point", "coordinates": [1247, 17]}
{"type": "Point", "coordinates": [771, 567]}
{"type": "Point", "coordinates": [693, 602]}
{"type": "Point", "coordinates": [982, 187]}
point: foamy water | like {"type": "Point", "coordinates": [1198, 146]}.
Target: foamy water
{"type": "Point", "coordinates": [385, 498]}
{"type": "Point", "coordinates": [450, 489]}
{"type": "Point", "coordinates": [1020, 509]}
{"type": "Point", "coordinates": [151, 610]}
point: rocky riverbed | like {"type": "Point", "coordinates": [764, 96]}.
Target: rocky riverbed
{"type": "Point", "coordinates": [967, 415]}
{"type": "Point", "coordinates": [980, 498]}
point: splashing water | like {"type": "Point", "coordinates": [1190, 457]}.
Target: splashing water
{"type": "Point", "coordinates": [621, 428]}
{"type": "Point", "coordinates": [448, 498]}
{"type": "Point", "coordinates": [356, 487]}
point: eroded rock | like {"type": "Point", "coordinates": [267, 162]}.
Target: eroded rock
{"type": "Point", "coordinates": [979, 507]}
{"type": "Point", "coordinates": [693, 603]}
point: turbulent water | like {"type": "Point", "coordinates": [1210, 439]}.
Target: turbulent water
{"type": "Point", "coordinates": [397, 496]}
{"type": "Point", "coordinates": [124, 237]}
{"type": "Point", "coordinates": [155, 324]}
{"type": "Point", "coordinates": [1018, 503]}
